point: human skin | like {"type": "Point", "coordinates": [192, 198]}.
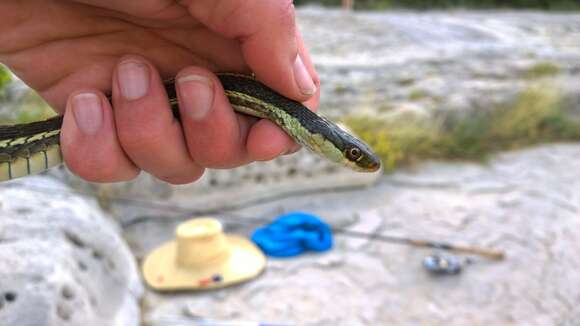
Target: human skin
{"type": "Point", "coordinates": [75, 52]}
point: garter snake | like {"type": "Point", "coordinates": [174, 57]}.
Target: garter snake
{"type": "Point", "coordinates": [34, 147]}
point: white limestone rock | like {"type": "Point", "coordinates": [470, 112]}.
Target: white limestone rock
{"type": "Point", "coordinates": [62, 262]}
{"type": "Point", "coordinates": [379, 283]}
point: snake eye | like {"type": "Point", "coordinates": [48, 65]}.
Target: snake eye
{"type": "Point", "coordinates": [353, 154]}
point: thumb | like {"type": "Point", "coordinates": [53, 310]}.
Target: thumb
{"type": "Point", "coordinates": [267, 34]}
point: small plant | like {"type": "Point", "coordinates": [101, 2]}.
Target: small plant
{"type": "Point", "coordinates": [395, 140]}
{"type": "Point", "coordinates": [29, 107]}
{"type": "Point", "coordinates": [406, 81]}
{"type": "Point", "coordinates": [33, 108]}
{"type": "Point", "coordinates": [5, 79]}
{"type": "Point", "coordinates": [5, 76]}
{"type": "Point", "coordinates": [542, 70]}
{"type": "Point", "coordinates": [418, 94]}
{"type": "Point", "coordinates": [340, 89]}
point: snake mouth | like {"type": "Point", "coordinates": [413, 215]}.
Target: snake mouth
{"type": "Point", "coordinates": [375, 166]}
{"type": "Point", "coordinates": [370, 167]}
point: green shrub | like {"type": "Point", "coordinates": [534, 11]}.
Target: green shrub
{"type": "Point", "coordinates": [542, 69]}
{"type": "Point", "coordinates": [536, 116]}
{"type": "Point", "coordinates": [33, 108]}
{"type": "Point", "coordinates": [5, 79]}
{"type": "Point", "coordinates": [418, 94]}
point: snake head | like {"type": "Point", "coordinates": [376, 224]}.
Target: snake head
{"type": "Point", "coordinates": [360, 157]}
{"type": "Point", "coordinates": [336, 143]}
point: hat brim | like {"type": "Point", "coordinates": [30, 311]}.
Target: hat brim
{"type": "Point", "coordinates": [161, 271]}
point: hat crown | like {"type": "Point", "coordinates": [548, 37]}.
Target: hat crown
{"type": "Point", "coordinates": [201, 242]}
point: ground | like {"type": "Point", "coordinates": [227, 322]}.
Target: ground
{"type": "Point", "coordinates": [523, 203]}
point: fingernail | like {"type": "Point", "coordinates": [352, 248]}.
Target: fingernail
{"type": "Point", "coordinates": [133, 79]}
{"type": "Point", "coordinates": [196, 94]}
{"type": "Point", "coordinates": [88, 112]}
{"type": "Point", "coordinates": [302, 77]}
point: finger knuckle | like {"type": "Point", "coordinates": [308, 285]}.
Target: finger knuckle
{"type": "Point", "coordinates": [241, 15]}
{"type": "Point", "coordinates": [233, 9]}
{"type": "Point", "coordinates": [283, 12]}
{"type": "Point", "coordinates": [139, 140]}
{"type": "Point", "coordinates": [235, 13]}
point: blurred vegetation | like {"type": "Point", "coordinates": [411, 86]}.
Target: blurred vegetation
{"type": "Point", "coordinates": [536, 116]}
{"type": "Point", "coordinates": [542, 69]}
{"type": "Point", "coordinates": [31, 107]}
{"type": "Point", "coordinates": [5, 79]}
{"type": "Point", "coordinates": [418, 94]}
{"type": "Point", "coordinates": [26, 108]}
{"type": "Point", "coordinates": [447, 4]}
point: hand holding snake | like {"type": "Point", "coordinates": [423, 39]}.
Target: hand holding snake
{"type": "Point", "coordinates": [173, 129]}
{"type": "Point", "coordinates": [74, 53]}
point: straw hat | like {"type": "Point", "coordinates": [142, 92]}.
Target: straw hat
{"type": "Point", "coordinates": [202, 257]}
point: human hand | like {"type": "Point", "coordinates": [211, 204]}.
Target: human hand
{"type": "Point", "coordinates": [75, 52]}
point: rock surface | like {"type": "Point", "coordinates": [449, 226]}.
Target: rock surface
{"type": "Point", "coordinates": [429, 62]}
{"type": "Point", "coordinates": [433, 63]}
{"type": "Point", "coordinates": [62, 261]}
{"type": "Point", "coordinates": [525, 203]}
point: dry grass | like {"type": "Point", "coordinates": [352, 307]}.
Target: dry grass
{"type": "Point", "coordinates": [542, 70]}
{"type": "Point", "coordinates": [536, 116]}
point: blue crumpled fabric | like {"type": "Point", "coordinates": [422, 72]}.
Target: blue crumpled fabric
{"type": "Point", "coordinates": [292, 234]}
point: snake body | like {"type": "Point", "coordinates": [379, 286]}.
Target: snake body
{"type": "Point", "coordinates": [30, 148]}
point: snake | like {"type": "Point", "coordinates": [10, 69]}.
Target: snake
{"type": "Point", "coordinates": [30, 148]}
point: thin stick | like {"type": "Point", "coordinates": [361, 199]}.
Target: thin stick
{"type": "Point", "coordinates": [488, 253]}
